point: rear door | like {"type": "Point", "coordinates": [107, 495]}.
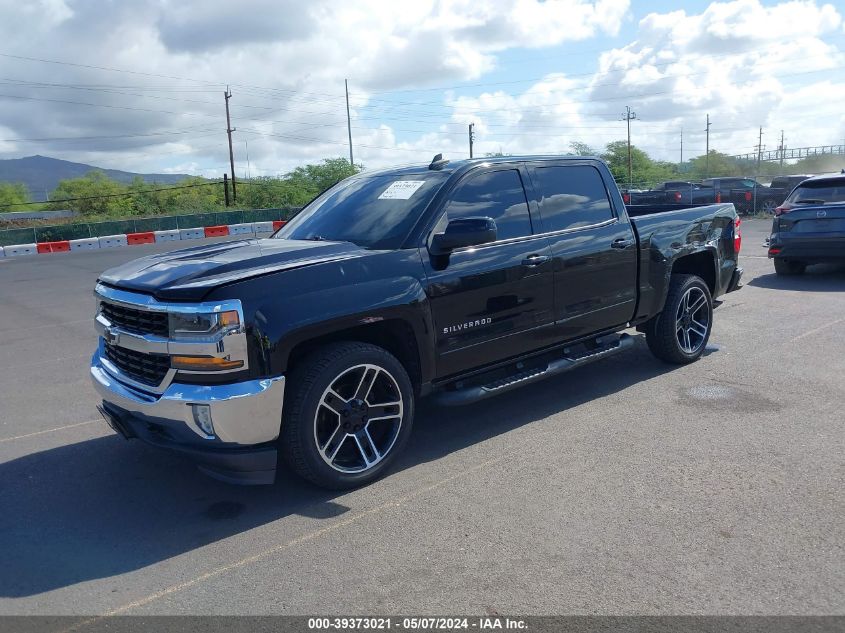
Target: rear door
{"type": "Point", "coordinates": [492, 301]}
{"type": "Point", "coordinates": [593, 246]}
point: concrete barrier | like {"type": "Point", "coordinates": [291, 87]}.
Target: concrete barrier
{"type": "Point", "coordinates": [85, 244]}
{"type": "Point", "coordinates": [277, 224]}
{"type": "Point", "coordinates": [263, 228]}
{"type": "Point", "coordinates": [17, 250]}
{"type": "Point", "coordinates": [191, 234]}
{"type": "Point", "coordinates": [167, 236]}
{"type": "Point", "coordinates": [216, 231]}
{"type": "Point", "coordinates": [2, 252]}
{"type": "Point", "coordinates": [62, 246]}
{"type": "Point", "coordinates": [112, 241]}
{"type": "Point", "coordinates": [241, 229]}
{"type": "Point", "coordinates": [146, 237]}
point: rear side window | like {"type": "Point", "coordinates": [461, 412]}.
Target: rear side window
{"type": "Point", "coordinates": [493, 194]}
{"type": "Point", "coordinates": [571, 196]}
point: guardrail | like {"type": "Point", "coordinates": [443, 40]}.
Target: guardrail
{"type": "Point", "coordinates": [177, 223]}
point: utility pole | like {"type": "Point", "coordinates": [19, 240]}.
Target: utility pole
{"type": "Point", "coordinates": [229, 129]}
{"type": "Point", "coordinates": [348, 122]}
{"type": "Point", "coordinates": [629, 116]}
{"type": "Point", "coordinates": [682, 148]}
{"type": "Point", "coordinates": [226, 188]}
{"type": "Point", "coordinates": [782, 149]}
{"type": "Point", "coordinates": [471, 138]}
{"type": "Point", "coordinates": [248, 171]}
{"type": "Point", "coordinates": [759, 160]}
{"type": "Point", "coordinates": [707, 150]}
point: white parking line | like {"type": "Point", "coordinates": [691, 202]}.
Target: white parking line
{"type": "Point", "coordinates": [59, 428]}
{"type": "Point", "coordinates": [816, 330]}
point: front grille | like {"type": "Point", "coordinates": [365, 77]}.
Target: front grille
{"type": "Point", "coordinates": [134, 320]}
{"type": "Point", "coordinates": [148, 369]}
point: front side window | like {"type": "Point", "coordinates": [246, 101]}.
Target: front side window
{"type": "Point", "coordinates": [571, 196]}
{"type": "Point", "coordinates": [494, 194]}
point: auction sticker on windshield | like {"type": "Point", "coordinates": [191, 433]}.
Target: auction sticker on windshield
{"type": "Point", "coordinates": [401, 189]}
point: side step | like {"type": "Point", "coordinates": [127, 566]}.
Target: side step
{"type": "Point", "coordinates": [570, 360]}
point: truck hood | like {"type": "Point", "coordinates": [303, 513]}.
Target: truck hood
{"type": "Point", "coordinates": [189, 274]}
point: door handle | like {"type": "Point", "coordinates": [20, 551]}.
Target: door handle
{"type": "Point", "coordinates": [621, 243]}
{"type": "Point", "coordinates": [535, 260]}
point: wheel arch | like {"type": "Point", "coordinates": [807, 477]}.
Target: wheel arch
{"type": "Point", "coordinates": [395, 335]}
{"type": "Point", "coordinates": [701, 263]}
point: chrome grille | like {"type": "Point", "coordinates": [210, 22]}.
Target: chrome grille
{"type": "Point", "coordinates": [134, 320]}
{"type": "Point", "coordinates": [148, 369]}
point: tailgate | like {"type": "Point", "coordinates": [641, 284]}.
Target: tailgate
{"type": "Point", "coordinates": [813, 221]}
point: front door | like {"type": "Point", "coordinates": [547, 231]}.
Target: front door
{"type": "Point", "coordinates": [492, 301]}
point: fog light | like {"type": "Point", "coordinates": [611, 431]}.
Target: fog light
{"type": "Point", "coordinates": [202, 418]}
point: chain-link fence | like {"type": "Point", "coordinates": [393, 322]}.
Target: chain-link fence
{"type": "Point", "coordinates": [140, 225]}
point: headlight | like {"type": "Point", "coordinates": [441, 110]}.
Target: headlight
{"type": "Point", "coordinates": [198, 324]}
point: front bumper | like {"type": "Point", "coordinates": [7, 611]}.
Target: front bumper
{"type": "Point", "coordinates": [246, 417]}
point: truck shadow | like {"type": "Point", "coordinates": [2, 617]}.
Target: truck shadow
{"type": "Point", "coordinates": [105, 507]}
{"type": "Point", "coordinates": [818, 278]}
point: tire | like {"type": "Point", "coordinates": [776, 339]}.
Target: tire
{"type": "Point", "coordinates": [331, 434]}
{"type": "Point", "coordinates": [785, 267]}
{"type": "Point", "coordinates": [680, 332]}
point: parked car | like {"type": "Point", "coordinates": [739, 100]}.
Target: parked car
{"type": "Point", "coordinates": [457, 280]}
{"type": "Point", "coordinates": [746, 194]}
{"type": "Point", "coordinates": [809, 227]}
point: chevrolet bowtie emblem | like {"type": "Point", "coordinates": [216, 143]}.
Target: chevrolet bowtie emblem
{"type": "Point", "coordinates": [111, 336]}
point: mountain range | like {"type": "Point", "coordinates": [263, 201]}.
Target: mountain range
{"type": "Point", "coordinates": [41, 174]}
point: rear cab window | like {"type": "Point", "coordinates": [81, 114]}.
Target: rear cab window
{"type": "Point", "coordinates": [571, 196]}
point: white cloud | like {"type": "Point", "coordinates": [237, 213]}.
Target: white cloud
{"type": "Point", "coordinates": [744, 62]}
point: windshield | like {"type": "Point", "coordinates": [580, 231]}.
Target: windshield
{"type": "Point", "coordinates": [818, 192]}
{"type": "Point", "coordinates": [371, 211]}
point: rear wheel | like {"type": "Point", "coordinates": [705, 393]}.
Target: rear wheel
{"type": "Point", "coordinates": [348, 413]}
{"type": "Point", "coordinates": [680, 332]}
{"type": "Point", "coordinates": [789, 267]}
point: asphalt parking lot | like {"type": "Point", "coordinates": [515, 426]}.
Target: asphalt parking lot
{"type": "Point", "coordinates": [626, 487]}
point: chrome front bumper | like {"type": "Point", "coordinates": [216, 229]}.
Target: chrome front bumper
{"type": "Point", "coordinates": [243, 413]}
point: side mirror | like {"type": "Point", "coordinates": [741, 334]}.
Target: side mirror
{"type": "Point", "coordinates": [462, 232]}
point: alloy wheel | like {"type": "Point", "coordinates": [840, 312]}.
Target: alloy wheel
{"type": "Point", "coordinates": [692, 321]}
{"type": "Point", "coordinates": [358, 419]}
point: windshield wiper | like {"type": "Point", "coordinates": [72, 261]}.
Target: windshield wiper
{"type": "Point", "coordinates": [810, 201]}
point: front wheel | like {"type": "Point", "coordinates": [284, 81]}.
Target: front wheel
{"type": "Point", "coordinates": [348, 413]}
{"type": "Point", "coordinates": [680, 332]}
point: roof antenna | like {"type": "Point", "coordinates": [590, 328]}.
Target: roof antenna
{"type": "Point", "coordinates": [438, 162]}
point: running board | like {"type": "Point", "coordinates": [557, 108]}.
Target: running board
{"type": "Point", "coordinates": [467, 395]}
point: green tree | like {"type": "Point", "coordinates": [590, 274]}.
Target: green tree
{"type": "Point", "coordinates": [12, 196]}
{"type": "Point", "coordinates": [645, 171]}
{"type": "Point", "coordinates": [93, 194]}
{"type": "Point", "coordinates": [581, 149]}
{"type": "Point", "coordinates": [317, 178]}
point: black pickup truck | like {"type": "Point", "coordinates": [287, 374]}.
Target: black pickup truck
{"type": "Point", "coordinates": [458, 280]}
{"type": "Point", "coordinates": [672, 192]}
